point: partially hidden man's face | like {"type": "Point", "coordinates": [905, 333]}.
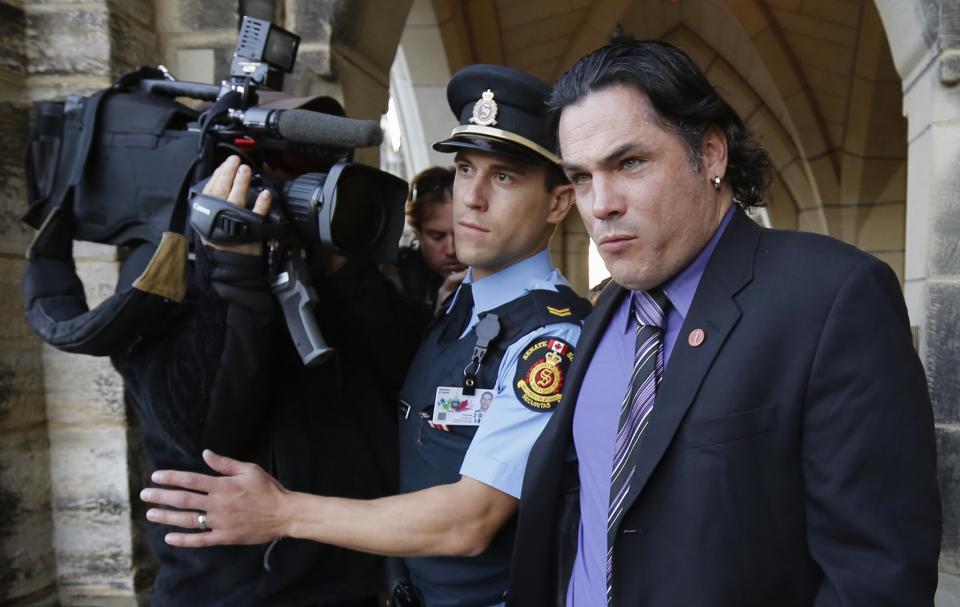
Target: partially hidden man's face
{"type": "Point", "coordinates": [643, 203]}
{"type": "Point", "coordinates": [502, 212]}
{"type": "Point", "coordinates": [437, 241]}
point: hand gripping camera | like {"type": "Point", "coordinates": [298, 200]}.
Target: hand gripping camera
{"type": "Point", "coordinates": [117, 167]}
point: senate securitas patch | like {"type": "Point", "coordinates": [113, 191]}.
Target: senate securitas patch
{"type": "Point", "coordinates": [540, 373]}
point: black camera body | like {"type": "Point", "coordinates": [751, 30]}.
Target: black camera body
{"type": "Point", "coordinates": [117, 168]}
{"type": "Point", "coordinates": [348, 209]}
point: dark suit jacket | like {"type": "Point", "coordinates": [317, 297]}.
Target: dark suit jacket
{"type": "Point", "coordinates": [790, 458]}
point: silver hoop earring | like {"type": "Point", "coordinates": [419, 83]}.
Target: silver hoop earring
{"type": "Point", "coordinates": [716, 182]}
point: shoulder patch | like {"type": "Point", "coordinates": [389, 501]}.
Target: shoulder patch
{"type": "Point", "coordinates": [541, 371]}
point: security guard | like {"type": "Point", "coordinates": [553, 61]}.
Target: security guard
{"type": "Point", "coordinates": [510, 329]}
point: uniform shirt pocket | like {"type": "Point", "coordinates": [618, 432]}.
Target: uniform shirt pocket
{"type": "Point", "coordinates": [729, 427]}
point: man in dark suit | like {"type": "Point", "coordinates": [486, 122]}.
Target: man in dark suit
{"type": "Point", "coordinates": [746, 422]}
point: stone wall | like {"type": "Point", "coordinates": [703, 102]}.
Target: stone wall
{"type": "Point", "coordinates": [925, 38]}
{"type": "Point", "coordinates": [70, 452]}
{"type": "Point", "coordinates": [65, 479]}
{"type": "Point", "coordinates": [27, 562]}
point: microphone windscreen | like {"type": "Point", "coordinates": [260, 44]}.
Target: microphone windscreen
{"type": "Point", "coordinates": [304, 126]}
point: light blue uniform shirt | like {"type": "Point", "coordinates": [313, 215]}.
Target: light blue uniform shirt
{"type": "Point", "coordinates": [497, 456]}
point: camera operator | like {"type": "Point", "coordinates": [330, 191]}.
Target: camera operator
{"type": "Point", "coordinates": [224, 373]}
{"type": "Point", "coordinates": [430, 266]}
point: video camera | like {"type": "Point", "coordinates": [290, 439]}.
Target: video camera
{"type": "Point", "coordinates": [124, 167]}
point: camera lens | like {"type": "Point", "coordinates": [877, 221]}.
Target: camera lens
{"type": "Point", "coordinates": [359, 217]}
{"type": "Point", "coordinates": [301, 202]}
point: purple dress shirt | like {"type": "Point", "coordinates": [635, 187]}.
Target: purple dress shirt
{"type": "Point", "coordinates": [598, 412]}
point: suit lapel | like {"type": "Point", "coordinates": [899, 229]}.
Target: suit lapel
{"type": "Point", "coordinates": [713, 309]}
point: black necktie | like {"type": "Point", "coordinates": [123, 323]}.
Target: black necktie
{"type": "Point", "coordinates": [459, 315]}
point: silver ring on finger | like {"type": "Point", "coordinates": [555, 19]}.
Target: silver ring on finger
{"type": "Point", "coordinates": [202, 521]}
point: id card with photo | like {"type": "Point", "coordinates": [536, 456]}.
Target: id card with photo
{"type": "Point", "coordinates": [454, 408]}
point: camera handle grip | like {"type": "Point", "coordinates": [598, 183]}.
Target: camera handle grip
{"type": "Point", "coordinates": [298, 300]}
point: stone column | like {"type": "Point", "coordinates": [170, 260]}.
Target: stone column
{"type": "Point", "coordinates": [932, 268]}
{"type": "Point", "coordinates": [67, 538]}
{"type": "Point", "coordinates": [418, 83]}
{"type": "Point", "coordinates": [27, 561]}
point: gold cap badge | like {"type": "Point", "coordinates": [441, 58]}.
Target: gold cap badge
{"type": "Point", "coordinates": [485, 110]}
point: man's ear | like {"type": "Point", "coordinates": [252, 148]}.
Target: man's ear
{"type": "Point", "coordinates": [714, 152]}
{"type": "Point", "coordinates": [561, 200]}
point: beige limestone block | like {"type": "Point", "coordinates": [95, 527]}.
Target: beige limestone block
{"type": "Point", "coordinates": [547, 71]}
{"type": "Point", "coordinates": [733, 88]}
{"type": "Point", "coordinates": [797, 182]}
{"type": "Point", "coordinates": [823, 55]}
{"type": "Point", "coordinates": [776, 62]}
{"type": "Point", "coordinates": [27, 566]}
{"type": "Point", "coordinates": [869, 227]}
{"type": "Point", "coordinates": [944, 243]}
{"type": "Point", "coordinates": [875, 124]}
{"type": "Point", "coordinates": [13, 327]}
{"type": "Point", "coordinates": [526, 13]}
{"type": "Point", "coordinates": [809, 136]}
{"type": "Point", "coordinates": [692, 45]}
{"type": "Point", "coordinates": [832, 107]}
{"type": "Point", "coordinates": [824, 174]}
{"type": "Point", "coordinates": [693, 16]}
{"type": "Point", "coordinates": [426, 64]}
{"type": "Point", "coordinates": [781, 208]}
{"type": "Point", "coordinates": [421, 14]}
{"type": "Point", "coordinates": [22, 399]}
{"type": "Point", "coordinates": [816, 27]}
{"type": "Point", "coordinates": [812, 220]}
{"type": "Point", "coordinates": [91, 508]}
{"type": "Point", "coordinates": [845, 13]}
{"type": "Point", "coordinates": [752, 20]}
{"type": "Point", "coordinates": [551, 50]}
{"type": "Point", "coordinates": [823, 80]}
{"type": "Point", "coordinates": [92, 251]}
{"type": "Point", "coordinates": [919, 191]}
{"type": "Point", "coordinates": [552, 28]}
{"type": "Point", "coordinates": [82, 390]}
{"type": "Point", "coordinates": [793, 5]}
{"type": "Point", "coordinates": [13, 193]}
{"type": "Point", "coordinates": [835, 132]}
{"type": "Point", "coordinates": [873, 180]}
{"type": "Point", "coordinates": [773, 136]}
{"type": "Point", "coordinates": [894, 259]}
{"type": "Point", "coordinates": [71, 39]}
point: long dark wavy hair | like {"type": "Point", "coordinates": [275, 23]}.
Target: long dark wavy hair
{"type": "Point", "coordinates": [684, 102]}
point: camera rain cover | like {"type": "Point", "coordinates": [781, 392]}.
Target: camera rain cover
{"type": "Point", "coordinates": [105, 169]}
{"type": "Point", "coordinates": [56, 305]}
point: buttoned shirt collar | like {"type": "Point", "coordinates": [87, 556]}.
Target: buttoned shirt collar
{"type": "Point", "coordinates": [534, 272]}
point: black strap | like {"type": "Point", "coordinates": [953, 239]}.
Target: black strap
{"type": "Point", "coordinates": [459, 316]}
{"type": "Point", "coordinates": [222, 105]}
{"type": "Point", "coordinates": [91, 113]}
{"type": "Point", "coordinates": [178, 216]}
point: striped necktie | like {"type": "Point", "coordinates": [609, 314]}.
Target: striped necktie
{"type": "Point", "coordinates": [649, 309]}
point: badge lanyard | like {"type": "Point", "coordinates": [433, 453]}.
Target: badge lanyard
{"type": "Point", "coordinates": [487, 330]}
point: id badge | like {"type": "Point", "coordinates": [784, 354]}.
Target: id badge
{"type": "Point", "coordinates": [454, 408]}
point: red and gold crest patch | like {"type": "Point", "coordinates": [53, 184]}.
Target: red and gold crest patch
{"type": "Point", "coordinates": [541, 371]}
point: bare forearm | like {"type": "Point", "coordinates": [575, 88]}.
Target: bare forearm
{"type": "Point", "coordinates": [432, 522]}
{"type": "Point", "coordinates": [247, 506]}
